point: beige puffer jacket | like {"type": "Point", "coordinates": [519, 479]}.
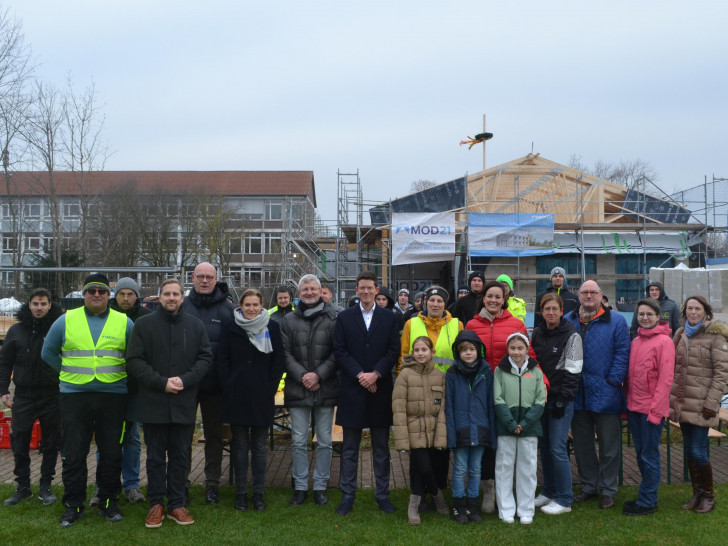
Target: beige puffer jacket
{"type": "Point", "coordinates": [418, 404]}
{"type": "Point", "coordinates": [701, 372]}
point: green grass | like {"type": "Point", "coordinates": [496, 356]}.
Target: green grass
{"type": "Point", "coordinates": [32, 523]}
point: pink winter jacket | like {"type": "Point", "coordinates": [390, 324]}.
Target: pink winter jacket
{"type": "Point", "coordinates": [651, 370]}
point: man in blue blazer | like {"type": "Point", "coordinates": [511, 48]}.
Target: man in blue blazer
{"type": "Point", "coordinates": [366, 346]}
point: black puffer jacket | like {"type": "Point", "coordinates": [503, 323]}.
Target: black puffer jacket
{"type": "Point", "coordinates": [559, 352]}
{"type": "Point", "coordinates": [20, 355]}
{"type": "Point", "coordinates": [308, 342]}
{"type": "Point", "coordinates": [214, 310]}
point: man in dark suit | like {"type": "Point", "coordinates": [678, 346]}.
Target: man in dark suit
{"type": "Point", "coordinates": [366, 346]}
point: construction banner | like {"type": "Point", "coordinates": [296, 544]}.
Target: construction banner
{"type": "Point", "coordinates": [422, 237]}
{"type": "Point", "coordinates": [513, 234]}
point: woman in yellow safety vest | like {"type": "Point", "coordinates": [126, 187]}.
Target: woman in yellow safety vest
{"type": "Point", "coordinates": [437, 324]}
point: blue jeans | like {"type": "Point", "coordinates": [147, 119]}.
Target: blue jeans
{"type": "Point", "coordinates": [555, 461]}
{"type": "Point", "coordinates": [467, 461]}
{"type": "Point", "coordinates": [695, 440]}
{"type": "Point", "coordinates": [131, 453]}
{"type": "Point", "coordinates": [324, 422]}
{"type": "Point", "coordinates": [646, 438]}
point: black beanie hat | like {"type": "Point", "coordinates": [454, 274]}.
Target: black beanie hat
{"type": "Point", "coordinates": [95, 279]}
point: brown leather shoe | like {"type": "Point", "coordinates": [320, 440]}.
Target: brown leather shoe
{"type": "Point", "coordinates": [154, 517]}
{"type": "Point", "coordinates": [180, 516]}
{"type": "Point", "coordinates": [606, 502]}
{"type": "Point", "coordinates": [583, 497]}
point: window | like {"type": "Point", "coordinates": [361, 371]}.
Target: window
{"type": "Point", "coordinates": [34, 243]}
{"type": "Point", "coordinates": [253, 243]}
{"type": "Point", "coordinates": [32, 210]}
{"type": "Point", "coordinates": [252, 277]}
{"type": "Point", "coordinates": [71, 210]}
{"type": "Point", "coordinates": [8, 243]}
{"type": "Point", "coordinates": [273, 210]}
{"type": "Point", "coordinates": [236, 245]}
{"type": "Point", "coordinates": [272, 243]}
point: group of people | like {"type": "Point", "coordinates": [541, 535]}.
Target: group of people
{"type": "Point", "coordinates": [467, 379]}
{"type": "Point", "coordinates": [577, 373]}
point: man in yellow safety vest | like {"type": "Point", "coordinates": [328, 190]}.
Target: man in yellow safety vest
{"type": "Point", "coordinates": [87, 346]}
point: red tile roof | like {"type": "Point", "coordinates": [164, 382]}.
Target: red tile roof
{"type": "Point", "coordinates": [232, 183]}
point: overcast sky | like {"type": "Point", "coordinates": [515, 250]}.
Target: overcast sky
{"type": "Point", "coordinates": [391, 87]}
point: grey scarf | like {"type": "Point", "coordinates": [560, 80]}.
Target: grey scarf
{"type": "Point", "coordinates": [487, 316]}
{"type": "Point", "coordinates": [257, 329]}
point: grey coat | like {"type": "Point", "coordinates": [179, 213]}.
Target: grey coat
{"type": "Point", "coordinates": [308, 342]}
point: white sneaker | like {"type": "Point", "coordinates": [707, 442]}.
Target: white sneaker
{"type": "Point", "coordinates": [525, 520]}
{"type": "Point", "coordinates": [554, 508]}
{"type": "Point", "coordinates": [541, 500]}
{"type": "Point", "coordinates": [508, 520]}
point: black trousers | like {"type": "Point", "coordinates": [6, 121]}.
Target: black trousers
{"type": "Point", "coordinates": [350, 461]}
{"type": "Point", "coordinates": [487, 465]}
{"type": "Point", "coordinates": [168, 455]}
{"type": "Point", "coordinates": [249, 449]}
{"type": "Point", "coordinates": [422, 471]}
{"type": "Point", "coordinates": [440, 460]}
{"type": "Point", "coordinates": [25, 411]}
{"type": "Point", "coordinates": [211, 411]}
{"type": "Point", "coordinates": [85, 415]}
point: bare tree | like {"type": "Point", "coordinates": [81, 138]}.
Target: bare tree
{"type": "Point", "coordinates": [630, 174]}
{"type": "Point", "coordinates": [16, 70]}
{"type": "Point", "coordinates": [85, 150]}
{"type": "Point", "coordinates": [419, 185]}
{"type": "Point", "coordinates": [44, 131]}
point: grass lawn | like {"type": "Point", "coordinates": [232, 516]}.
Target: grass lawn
{"type": "Point", "coordinates": [32, 523]}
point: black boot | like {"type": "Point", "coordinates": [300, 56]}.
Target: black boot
{"type": "Point", "coordinates": [472, 510]}
{"type": "Point", "coordinates": [459, 510]}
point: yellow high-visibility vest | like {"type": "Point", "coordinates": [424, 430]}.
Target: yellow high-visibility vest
{"type": "Point", "coordinates": [82, 361]}
{"type": "Point", "coordinates": [443, 357]}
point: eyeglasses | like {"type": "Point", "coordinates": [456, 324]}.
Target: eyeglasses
{"type": "Point", "coordinates": [99, 291]}
{"type": "Point", "coordinates": [589, 293]}
{"type": "Point", "coordinates": [205, 277]}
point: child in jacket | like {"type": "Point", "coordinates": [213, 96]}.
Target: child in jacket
{"type": "Point", "coordinates": [418, 407]}
{"type": "Point", "coordinates": [520, 396]}
{"type": "Point", "coordinates": [470, 421]}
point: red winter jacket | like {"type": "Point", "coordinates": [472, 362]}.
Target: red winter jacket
{"type": "Point", "coordinates": [651, 369]}
{"type": "Point", "coordinates": [495, 334]}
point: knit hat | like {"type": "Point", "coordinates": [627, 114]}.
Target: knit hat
{"type": "Point", "coordinates": [463, 290]}
{"type": "Point", "coordinates": [127, 283]}
{"type": "Point", "coordinates": [520, 335]}
{"type": "Point", "coordinates": [96, 279]}
{"type": "Point", "coordinates": [354, 301]}
{"type": "Point", "coordinates": [506, 279]}
{"type": "Point", "coordinates": [403, 291]}
{"type": "Point", "coordinates": [436, 291]}
{"type": "Point", "coordinates": [419, 295]}
{"type": "Point", "coordinates": [474, 274]}
{"type": "Point", "coordinates": [558, 270]}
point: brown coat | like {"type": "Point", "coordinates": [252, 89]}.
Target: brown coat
{"type": "Point", "coordinates": [418, 404]}
{"type": "Point", "coordinates": [701, 372]}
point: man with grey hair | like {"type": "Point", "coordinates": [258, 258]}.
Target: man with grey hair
{"type": "Point", "coordinates": [599, 399]}
{"type": "Point", "coordinates": [312, 386]}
